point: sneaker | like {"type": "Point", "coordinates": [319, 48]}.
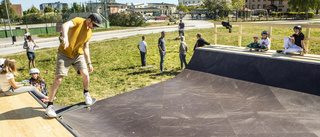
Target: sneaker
{"type": "Point", "coordinates": [50, 111]}
{"type": "Point", "coordinates": [45, 100]}
{"type": "Point", "coordinates": [88, 98]}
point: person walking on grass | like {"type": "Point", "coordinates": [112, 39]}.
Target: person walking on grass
{"type": "Point", "coordinates": [74, 50]}
{"type": "Point", "coordinates": [10, 87]}
{"type": "Point", "coordinates": [183, 52]}
{"type": "Point", "coordinates": [162, 49]}
{"type": "Point", "coordinates": [142, 46]}
{"type": "Point", "coordinates": [200, 42]}
{"type": "Point", "coordinates": [181, 28]}
{"type": "Point", "coordinates": [29, 45]}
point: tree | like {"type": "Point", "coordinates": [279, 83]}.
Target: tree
{"type": "Point", "coordinates": [76, 8]}
{"type": "Point", "coordinates": [57, 10]}
{"type": "Point", "coordinates": [303, 5]}
{"type": "Point", "coordinates": [222, 5]}
{"type": "Point", "coordinates": [48, 9]}
{"type": "Point", "coordinates": [182, 7]}
{"type": "Point", "coordinates": [12, 13]}
{"type": "Point", "coordinates": [235, 4]}
{"type": "Point", "coordinates": [65, 9]}
{"type": "Point", "coordinates": [33, 9]}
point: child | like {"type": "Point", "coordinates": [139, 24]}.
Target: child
{"type": "Point", "coordinates": [183, 52]}
{"type": "Point", "coordinates": [265, 41]}
{"type": "Point", "coordinates": [255, 43]}
{"type": "Point", "coordinates": [29, 45]}
{"type": "Point", "coordinates": [26, 34]}
{"type": "Point", "coordinates": [10, 87]}
{"type": "Point", "coordinates": [295, 42]}
{"type": "Point", "coordinates": [37, 81]}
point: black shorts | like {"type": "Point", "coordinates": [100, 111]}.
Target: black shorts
{"type": "Point", "coordinates": [31, 55]}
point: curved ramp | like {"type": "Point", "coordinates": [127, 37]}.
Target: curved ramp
{"type": "Point", "coordinates": [21, 116]}
{"type": "Point", "coordinates": [221, 93]}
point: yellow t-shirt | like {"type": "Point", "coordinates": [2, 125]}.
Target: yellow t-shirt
{"type": "Point", "coordinates": [77, 36]}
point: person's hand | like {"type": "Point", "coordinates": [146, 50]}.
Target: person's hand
{"type": "Point", "coordinates": [28, 47]}
{"type": "Point", "coordinates": [90, 68]}
{"type": "Point", "coordinates": [66, 43]}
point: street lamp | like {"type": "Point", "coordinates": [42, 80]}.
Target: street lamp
{"type": "Point", "coordinates": [5, 2]}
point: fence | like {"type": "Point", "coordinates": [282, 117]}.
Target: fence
{"type": "Point", "coordinates": [33, 31]}
{"type": "Point", "coordinates": [269, 25]}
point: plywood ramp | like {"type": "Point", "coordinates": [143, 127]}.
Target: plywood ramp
{"type": "Point", "coordinates": [21, 115]}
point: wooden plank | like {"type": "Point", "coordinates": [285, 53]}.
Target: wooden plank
{"type": "Point", "coordinates": [274, 25]}
{"type": "Point", "coordinates": [306, 43]}
{"type": "Point", "coordinates": [22, 115]}
{"type": "Point", "coordinates": [270, 34]}
{"type": "Point", "coordinates": [240, 37]}
{"type": "Point", "coordinates": [215, 33]}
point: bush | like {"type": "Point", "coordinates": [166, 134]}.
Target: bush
{"type": "Point", "coordinates": [129, 20]}
{"type": "Point", "coordinates": [292, 14]}
{"type": "Point", "coordinates": [36, 18]}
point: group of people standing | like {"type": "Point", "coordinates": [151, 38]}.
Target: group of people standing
{"type": "Point", "coordinates": [183, 48]}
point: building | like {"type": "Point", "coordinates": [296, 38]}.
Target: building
{"type": "Point", "coordinates": [58, 5]}
{"type": "Point", "coordinates": [17, 8]}
{"type": "Point", "coordinates": [166, 7]}
{"type": "Point", "coordinates": [270, 5]}
{"type": "Point", "coordinates": [191, 2]}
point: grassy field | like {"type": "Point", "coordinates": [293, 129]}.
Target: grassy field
{"type": "Point", "coordinates": [117, 63]}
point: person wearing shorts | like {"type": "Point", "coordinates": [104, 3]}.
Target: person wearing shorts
{"type": "Point", "coordinates": [29, 45]}
{"type": "Point", "coordinates": [74, 51]}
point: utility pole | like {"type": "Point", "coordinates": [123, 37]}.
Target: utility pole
{"type": "Point", "coordinates": [5, 2]}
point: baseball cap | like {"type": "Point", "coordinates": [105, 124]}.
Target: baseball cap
{"type": "Point", "coordinates": [96, 18]}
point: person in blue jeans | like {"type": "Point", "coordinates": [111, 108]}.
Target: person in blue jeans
{"type": "Point", "coordinates": [162, 49]}
{"type": "Point", "coordinates": [183, 52]}
{"type": "Point", "coordinates": [142, 46]}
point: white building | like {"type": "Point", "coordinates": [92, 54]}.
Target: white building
{"type": "Point", "coordinates": [58, 5]}
{"type": "Point", "coordinates": [191, 2]}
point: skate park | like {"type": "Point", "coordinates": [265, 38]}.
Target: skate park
{"type": "Point", "coordinates": [224, 91]}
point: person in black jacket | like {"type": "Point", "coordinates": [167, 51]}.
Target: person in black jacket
{"type": "Point", "coordinates": [200, 42]}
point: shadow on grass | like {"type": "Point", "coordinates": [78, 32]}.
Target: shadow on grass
{"type": "Point", "coordinates": [142, 72]}
{"type": "Point", "coordinates": [45, 60]}
{"type": "Point", "coordinates": [125, 68]}
{"type": "Point", "coordinates": [166, 73]}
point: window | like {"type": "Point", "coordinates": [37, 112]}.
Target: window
{"type": "Point", "coordinates": [280, 10]}
{"type": "Point", "coordinates": [264, 5]}
{"type": "Point", "coordinates": [253, 6]}
{"type": "Point", "coordinates": [198, 1]}
{"type": "Point", "coordinates": [288, 10]}
{"type": "Point", "coordinates": [259, 0]}
{"type": "Point", "coordinates": [253, 0]}
{"type": "Point", "coordinates": [259, 6]}
{"type": "Point", "coordinates": [280, 1]}
{"type": "Point", "coordinates": [194, 2]}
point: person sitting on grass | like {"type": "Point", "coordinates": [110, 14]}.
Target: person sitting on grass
{"type": "Point", "coordinates": [10, 87]}
{"type": "Point", "coordinates": [255, 43]}
{"type": "Point", "coordinates": [265, 41]}
{"type": "Point", "coordinates": [37, 81]}
{"type": "Point", "coordinates": [29, 45]}
{"type": "Point", "coordinates": [200, 42]}
{"type": "Point", "coordinates": [295, 42]}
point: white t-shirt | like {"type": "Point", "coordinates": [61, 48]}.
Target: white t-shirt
{"type": "Point", "coordinates": [265, 42]}
{"type": "Point", "coordinates": [4, 81]}
{"type": "Point", "coordinates": [143, 46]}
{"type": "Point", "coordinates": [31, 46]}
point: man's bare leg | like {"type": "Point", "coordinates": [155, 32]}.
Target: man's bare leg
{"type": "Point", "coordinates": [54, 87]}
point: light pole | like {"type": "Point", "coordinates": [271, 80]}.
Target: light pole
{"type": "Point", "coordinates": [5, 2]}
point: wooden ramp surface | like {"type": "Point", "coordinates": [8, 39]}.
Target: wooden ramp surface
{"type": "Point", "coordinates": [21, 115]}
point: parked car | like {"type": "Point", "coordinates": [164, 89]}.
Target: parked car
{"type": "Point", "coordinates": [162, 17]}
{"type": "Point", "coordinates": [146, 17]}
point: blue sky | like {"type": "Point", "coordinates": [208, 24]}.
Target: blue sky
{"type": "Point", "coordinates": [28, 3]}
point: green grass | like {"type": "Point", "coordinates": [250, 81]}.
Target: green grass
{"type": "Point", "coordinates": [117, 63]}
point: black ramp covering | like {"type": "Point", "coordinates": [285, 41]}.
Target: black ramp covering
{"type": "Point", "coordinates": [220, 94]}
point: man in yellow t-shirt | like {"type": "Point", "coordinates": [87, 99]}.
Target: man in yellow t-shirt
{"type": "Point", "coordinates": [74, 50]}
